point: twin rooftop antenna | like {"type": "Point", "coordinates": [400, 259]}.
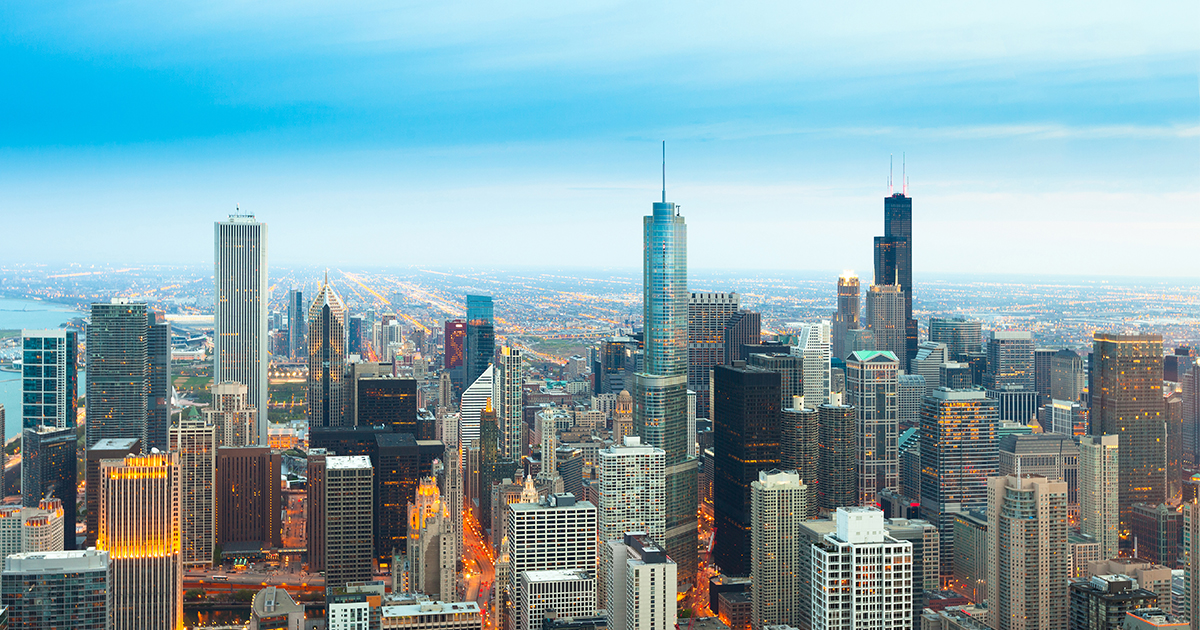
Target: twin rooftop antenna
{"type": "Point", "coordinates": [891, 168]}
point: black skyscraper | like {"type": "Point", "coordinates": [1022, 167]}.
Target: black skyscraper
{"type": "Point", "coordinates": [746, 440]}
{"type": "Point", "coordinates": [388, 401]}
{"type": "Point", "coordinates": [158, 373]}
{"type": "Point", "coordinates": [50, 469]}
{"type": "Point", "coordinates": [893, 257]}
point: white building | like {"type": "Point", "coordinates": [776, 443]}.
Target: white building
{"type": "Point", "coordinates": [928, 363]}
{"type": "Point", "coordinates": [240, 320]}
{"type": "Point", "coordinates": [815, 349]}
{"type": "Point", "coordinates": [557, 593]}
{"type": "Point", "coordinates": [556, 533]}
{"type": "Point", "coordinates": [861, 577]}
{"type": "Point", "coordinates": [1099, 516]}
{"type": "Point", "coordinates": [642, 589]}
{"type": "Point", "coordinates": [431, 616]}
{"type": "Point", "coordinates": [778, 505]}
{"type": "Point", "coordinates": [29, 529]}
{"type": "Point", "coordinates": [236, 420]}
{"type": "Point", "coordinates": [632, 497]}
{"type": "Point", "coordinates": [349, 616]}
{"type": "Point", "coordinates": [194, 439]}
{"type": "Point", "coordinates": [474, 399]}
{"type": "Point", "coordinates": [509, 410]}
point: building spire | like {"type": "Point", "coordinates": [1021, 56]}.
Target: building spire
{"type": "Point", "coordinates": [903, 175]}
{"type": "Point", "coordinates": [664, 173]}
{"type": "Point", "coordinates": [891, 167]}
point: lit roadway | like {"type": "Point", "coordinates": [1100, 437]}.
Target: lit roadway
{"type": "Point", "coordinates": [697, 599]}
{"type": "Point", "coordinates": [479, 571]}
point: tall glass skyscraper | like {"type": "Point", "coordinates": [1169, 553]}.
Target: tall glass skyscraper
{"type": "Point", "coordinates": [51, 378]}
{"type": "Point", "coordinates": [326, 360]}
{"type": "Point", "coordinates": [481, 336]}
{"type": "Point", "coordinates": [660, 390]}
{"type": "Point", "coordinates": [240, 323]}
{"type": "Point", "coordinates": [893, 261]}
{"type": "Point", "coordinates": [117, 378]}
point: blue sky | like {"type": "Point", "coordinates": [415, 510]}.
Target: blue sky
{"type": "Point", "coordinates": [1040, 138]}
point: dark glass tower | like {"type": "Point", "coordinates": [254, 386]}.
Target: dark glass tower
{"type": "Point", "coordinates": [49, 469]}
{"type": "Point", "coordinates": [297, 325]}
{"type": "Point", "coordinates": [837, 476]}
{"type": "Point", "coordinates": [746, 441]}
{"type": "Point", "coordinates": [117, 378]}
{"type": "Point", "coordinates": [158, 373]}
{"type": "Point", "coordinates": [481, 336]}
{"type": "Point", "coordinates": [388, 401]}
{"type": "Point", "coordinates": [893, 257]}
{"type": "Point", "coordinates": [849, 309]}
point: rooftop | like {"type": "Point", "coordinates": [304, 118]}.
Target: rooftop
{"type": "Point", "coordinates": [347, 462]}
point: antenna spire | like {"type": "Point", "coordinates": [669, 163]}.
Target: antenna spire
{"type": "Point", "coordinates": [891, 167]}
{"type": "Point", "coordinates": [904, 174]}
{"type": "Point", "coordinates": [664, 173]}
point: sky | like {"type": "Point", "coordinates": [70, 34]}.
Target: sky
{"type": "Point", "coordinates": [1037, 138]}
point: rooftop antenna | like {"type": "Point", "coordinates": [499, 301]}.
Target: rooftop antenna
{"type": "Point", "coordinates": [664, 192]}
{"type": "Point", "coordinates": [904, 174]}
{"type": "Point", "coordinates": [891, 167]}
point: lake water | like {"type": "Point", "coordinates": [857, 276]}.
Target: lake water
{"type": "Point", "coordinates": [32, 314]}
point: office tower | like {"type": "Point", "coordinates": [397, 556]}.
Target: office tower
{"type": "Point", "coordinates": [1191, 554]}
{"type": "Point", "coordinates": [455, 339]}
{"type": "Point", "coordinates": [248, 495]}
{"type": "Point", "coordinates": [1046, 455]}
{"type": "Point", "coordinates": [970, 562]}
{"type": "Point", "coordinates": [1101, 602]}
{"type": "Point", "coordinates": [49, 469]}
{"type": "Point", "coordinates": [273, 608]}
{"type": "Point", "coordinates": [928, 362]}
{"type": "Point", "coordinates": [431, 552]}
{"type": "Point", "coordinates": [195, 440]}
{"type": "Point", "coordinates": [837, 478]}
{"type": "Point", "coordinates": [642, 591]}
{"type": "Point", "coordinates": [1027, 543]}
{"type": "Point", "coordinates": [50, 378]}
{"type": "Point", "coordinates": [567, 593]}
{"type": "Point", "coordinates": [1067, 376]}
{"type": "Point", "coordinates": [1065, 418]}
{"type": "Point", "coordinates": [117, 371]}
{"type": "Point", "coordinates": [708, 314]}
{"type": "Point", "coordinates": [492, 466]}
{"type": "Point", "coordinates": [791, 374]}
{"type": "Point", "coordinates": [139, 528]}
{"type": "Point", "coordinates": [893, 260]}
{"type": "Point", "coordinates": [959, 452]}
{"type": "Point", "coordinates": [452, 482]}
{"type": "Point", "coordinates": [510, 404]}
{"type": "Point", "coordinates": [871, 390]}
{"type": "Point", "coordinates": [481, 336]}
{"type": "Point", "coordinates": [799, 440]}
{"type": "Point", "coordinates": [1190, 388]}
{"type": "Point", "coordinates": [354, 337]}
{"type": "Point", "coordinates": [327, 359]}
{"type": "Point", "coordinates": [778, 504]}
{"type": "Point", "coordinates": [885, 318]}
{"type": "Point", "coordinates": [1043, 373]}
{"type": "Point", "coordinates": [57, 589]}
{"type": "Point", "coordinates": [558, 522]}
{"type": "Point", "coordinates": [240, 320]}
{"type": "Point", "coordinates": [632, 498]}
{"type": "Point", "coordinates": [746, 439]}
{"type": "Point", "coordinates": [348, 536]}
{"type": "Point", "coordinates": [387, 401]}
{"type": "Point", "coordinates": [1009, 377]}
{"type": "Point", "coordinates": [814, 348]}
{"type": "Point", "coordinates": [847, 316]}
{"type": "Point", "coordinates": [102, 450]}
{"type": "Point", "coordinates": [910, 391]}
{"type": "Point", "coordinates": [909, 448]}
{"type": "Point", "coordinates": [961, 336]}
{"type": "Point", "coordinates": [158, 376]}
{"type": "Point", "coordinates": [743, 328]}
{"type": "Point", "coordinates": [955, 375]}
{"type": "Point", "coordinates": [297, 324]}
{"type": "Point", "coordinates": [1153, 577]}
{"type": "Point", "coordinates": [234, 419]}
{"type": "Point", "coordinates": [474, 399]}
{"type": "Point", "coordinates": [660, 389]}
{"type": "Point", "coordinates": [399, 461]}
{"type": "Point", "coordinates": [1127, 401]}
{"type": "Point", "coordinates": [926, 567]}
{"type": "Point", "coordinates": [1157, 530]}
{"type": "Point", "coordinates": [879, 565]}
{"type": "Point", "coordinates": [314, 523]}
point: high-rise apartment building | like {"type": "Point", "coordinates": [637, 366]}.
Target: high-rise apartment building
{"type": "Point", "coordinates": [481, 336]}
{"type": "Point", "coordinates": [558, 522]}
{"type": "Point", "coordinates": [195, 440]}
{"type": "Point", "coordinates": [248, 495]}
{"type": "Point", "coordinates": [140, 530]}
{"type": "Point", "coordinates": [849, 309]}
{"type": "Point", "coordinates": [240, 320]}
{"type": "Point", "coordinates": [49, 468]}
{"type": "Point", "coordinates": [642, 591]}
{"type": "Point", "coordinates": [569, 593]}
{"type": "Point", "coordinates": [1048, 455]}
{"type": "Point", "coordinates": [1102, 601]}
{"type": "Point", "coordinates": [1028, 559]}
{"type": "Point", "coordinates": [234, 420]}
{"type": "Point", "coordinates": [57, 589]}
{"type": "Point", "coordinates": [961, 336]}
{"type": "Point", "coordinates": [871, 389]}
{"type": "Point", "coordinates": [746, 441]}
{"type": "Point", "coordinates": [326, 359]}
{"type": "Point", "coordinates": [297, 315]}
{"type": "Point", "coordinates": [50, 372]}
{"type": "Point", "coordinates": [1099, 498]}
{"type": "Point", "coordinates": [778, 504]}
{"type": "Point", "coordinates": [837, 478]}
{"type": "Point", "coordinates": [856, 570]}
{"type": "Point", "coordinates": [117, 379]}
{"type": "Point", "coordinates": [632, 498]}
{"type": "Point", "coordinates": [959, 452]}
{"type": "Point", "coordinates": [1127, 401]}
{"type": "Point", "coordinates": [799, 441]}
{"type": "Point", "coordinates": [660, 389]}
{"type": "Point", "coordinates": [510, 404]}
{"type": "Point", "coordinates": [814, 348]}
{"type": "Point", "coordinates": [885, 318]}
{"type": "Point", "coordinates": [348, 537]}
{"type": "Point", "coordinates": [708, 315]}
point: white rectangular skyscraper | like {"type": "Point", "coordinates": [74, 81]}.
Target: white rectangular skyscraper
{"type": "Point", "coordinates": [633, 495]}
{"type": "Point", "coordinates": [815, 348]}
{"type": "Point", "coordinates": [240, 321]}
{"type": "Point", "coordinates": [857, 569]}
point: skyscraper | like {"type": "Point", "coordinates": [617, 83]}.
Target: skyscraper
{"type": "Point", "coordinates": [481, 336]}
{"type": "Point", "coordinates": [743, 328]}
{"type": "Point", "coordinates": [57, 589]}
{"type": "Point", "coordinates": [51, 378]}
{"type": "Point", "coordinates": [509, 406]}
{"type": "Point", "coordinates": [778, 504]}
{"type": "Point", "coordinates": [1099, 497]}
{"type": "Point", "coordinates": [708, 314]}
{"type": "Point", "coordinates": [387, 401]}
{"type": "Point", "coordinates": [195, 440]}
{"type": "Point", "coordinates": [791, 374]}
{"type": "Point", "coordinates": [326, 359]}
{"type": "Point", "coordinates": [248, 499]}
{"type": "Point", "coordinates": [158, 377]}
{"type": "Point", "coordinates": [240, 321]}
{"type": "Point", "coordinates": [1027, 542]}
{"type": "Point", "coordinates": [1010, 375]}
{"type": "Point", "coordinates": [885, 318]}
{"type": "Point", "coordinates": [961, 336]}
{"type": "Point", "coordinates": [642, 591]}
{"type": "Point", "coordinates": [660, 390]}
{"type": "Point", "coordinates": [49, 468]}
{"type": "Point", "coordinates": [347, 518]}
{"type": "Point", "coordinates": [928, 362]}
{"type": "Point", "coordinates": [117, 379]}
{"type": "Point", "coordinates": [893, 265]}
{"type": "Point", "coordinates": [849, 309]}
{"type": "Point", "coordinates": [474, 399]}
{"type": "Point", "coordinates": [102, 450]}
{"type": "Point", "coordinates": [1127, 401]}
{"type": "Point", "coordinates": [455, 355]}
{"type": "Point", "coordinates": [234, 419]}
{"type": "Point", "coordinates": [632, 497]}
{"type": "Point", "coordinates": [139, 528]}
{"type": "Point", "coordinates": [814, 349]}
{"type": "Point", "coordinates": [871, 389]}
{"type": "Point", "coordinates": [557, 522]}
{"type": "Point", "coordinates": [959, 452]}
{"type": "Point", "coordinates": [799, 442]}
{"type": "Point", "coordinates": [1067, 376]}
{"type": "Point", "coordinates": [837, 479]}
{"type": "Point", "coordinates": [746, 441]}
{"type": "Point", "coordinates": [297, 324]}
{"type": "Point", "coordinates": [857, 564]}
